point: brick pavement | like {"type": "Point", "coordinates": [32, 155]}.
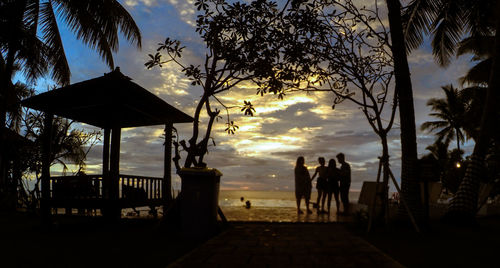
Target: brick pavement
{"type": "Point", "coordinates": [286, 245]}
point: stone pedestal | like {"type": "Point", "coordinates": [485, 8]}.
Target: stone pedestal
{"type": "Point", "coordinates": [199, 200]}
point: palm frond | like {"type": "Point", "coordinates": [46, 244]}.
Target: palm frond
{"type": "Point", "coordinates": [479, 73]}
{"type": "Point", "coordinates": [31, 15]}
{"type": "Point", "coordinates": [481, 46]}
{"type": "Point", "coordinates": [433, 125]}
{"type": "Point", "coordinates": [50, 31]}
{"type": "Point", "coordinates": [97, 22]}
{"type": "Point", "coordinates": [125, 22]}
{"type": "Point", "coordinates": [447, 30]}
{"type": "Point", "coordinates": [417, 18]}
{"type": "Point", "coordinates": [480, 17]}
{"type": "Point", "coordinates": [86, 27]}
{"type": "Point", "coordinates": [32, 57]}
{"type": "Point", "coordinates": [446, 134]}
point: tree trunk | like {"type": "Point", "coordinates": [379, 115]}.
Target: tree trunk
{"type": "Point", "coordinates": [5, 86]}
{"type": "Point", "coordinates": [463, 206]}
{"type": "Point", "coordinates": [385, 178]}
{"type": "Point", "coordinates": [409, 175]}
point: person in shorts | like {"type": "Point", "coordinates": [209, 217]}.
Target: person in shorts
{"type": "Point", "coordinates": [321, 184]}
{"type": "Point", "coordinates": [333, 184]}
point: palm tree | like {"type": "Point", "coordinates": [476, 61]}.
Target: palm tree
{"type": "Point", "coordinates": [482, 47]}
{"type": "Point", "coordinates": [68, 146]}
{"type": "Point", "coordinates": [94, 22]}
{"type": "Point", "coordinates": [439, 151]}
{"type": "Point", "coordinates": [450, 112]}
{"type": "Point", "coordinates": [448, 20]}
{"type": "Point", "coordinates": [409, 169]}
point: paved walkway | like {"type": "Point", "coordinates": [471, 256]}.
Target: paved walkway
{"type": "Point", "coordinates": [286, 245]}
{"type": "Point", "coordinates": [283, 214]}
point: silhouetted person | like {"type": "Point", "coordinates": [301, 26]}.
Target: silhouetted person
{"type": "Point", "coordinates": [321, 183]}
{"type": "Point", "coordinates": [302, 184]}
{"type": "Point", "coordinates": [345, 181]}
{"type": "Point", "coordinates": [333, 184]}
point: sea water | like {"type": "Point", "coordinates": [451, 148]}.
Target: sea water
{"type": "Point", "coordinates": [232, 198]}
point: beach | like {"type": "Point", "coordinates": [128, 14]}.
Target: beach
{"type": "Point", "coordinates": [275, 206]}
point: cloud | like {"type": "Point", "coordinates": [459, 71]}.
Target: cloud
{"type": "Point", "coordinates": [262, 153]}
{"type": "Point", "coordinates": [186, 10]}
{"type": "Point", "coordinates": [133, 3]}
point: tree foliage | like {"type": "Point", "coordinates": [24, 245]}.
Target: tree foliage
{"type": "Point", "coordinates": [450, 113]}
{"type": "Point", "coordinates": [353, 61]}
{"type": "Point", "coordinates": [245, 42]}
{"type": "Point", "coordinates": [31, 35]}
{"type": "Point", "coordinates": [447, 21]}
{"type": "Point", "coordinates": [69, 145]}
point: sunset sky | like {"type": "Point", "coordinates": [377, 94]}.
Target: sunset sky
{"type": "Point", "coordinates": [262, 153]}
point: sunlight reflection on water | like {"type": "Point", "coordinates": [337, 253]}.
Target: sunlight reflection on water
{"type": "Point", "coordinates": [228, 198]}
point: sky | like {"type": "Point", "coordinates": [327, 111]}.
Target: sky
{"type": "Point", "coordinates": [261, 154]}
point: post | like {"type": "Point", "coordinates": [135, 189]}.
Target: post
{"type": "Point", "coordinates": [105, 152]}
{"type": "Point", "coordinates": [167, 175]}
{"type": "Point", "coordinates": [105, 172]}
{"type": "Point", "coordinates": [114, 174]}
{"type": "Point", "coordinates": [46, 152]}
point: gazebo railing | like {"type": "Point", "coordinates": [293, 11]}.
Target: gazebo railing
{"type": "Point", "coordinates": [130, 187]}
{"type": "Point", "coordinates": [140, 187]}
{"type": "Point", "coordinates": [76, 187]}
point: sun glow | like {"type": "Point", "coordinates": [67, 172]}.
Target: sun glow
{"type": "Point", "coordinates": [278, 105]}
{"type": "Point", "coordinates": [250, 148]}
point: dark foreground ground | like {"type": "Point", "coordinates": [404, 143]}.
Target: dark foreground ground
{"type": "Point", "coordinates": [286, 245]}
{"type": "Point", "coordinates": [82, 242]}
{"type": "Point", "coordinates": [442, 246]}
{"type": "Point", "coordinates": [77, 242]}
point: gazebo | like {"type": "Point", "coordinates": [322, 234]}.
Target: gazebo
{"type": "Point", "coordinates": [111, 102]}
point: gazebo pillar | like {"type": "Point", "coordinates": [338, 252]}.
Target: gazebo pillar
{"type": "Point", "coordinates": [105, 152]}
{"type": "Point", "coordinates": [46, 152]}
{"type": "Point", "coordinates": [105, 172]}
{"type": "Point", "coordinates": [111, 177]}
{"type": "Point", "coordinates": [114, 171]}
{"type": "Point", "coordinates": [167, 168]}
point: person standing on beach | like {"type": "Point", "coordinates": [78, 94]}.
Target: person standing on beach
{"type": "Point", "coordinates": [345, 181]}
{"type": "Point", "coordinates": [302, 184]}
{"type": "Point", "coordinates": [321, 184]}
{"type": "Point", "coordinates": [333, 184]}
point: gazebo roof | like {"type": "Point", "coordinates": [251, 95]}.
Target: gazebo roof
{"type": "Point", "coordinates": [111, 100]}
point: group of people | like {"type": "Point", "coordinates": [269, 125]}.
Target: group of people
{"type": "Point", "coordinates": [330, 181]}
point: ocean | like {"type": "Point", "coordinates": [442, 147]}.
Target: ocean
{"type": "Point", "coordinates": [278, 199]}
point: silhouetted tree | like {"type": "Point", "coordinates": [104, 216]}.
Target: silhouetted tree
{"type": "Point", "coordinates": [403, 92]}
{"type": "Point", "coordinates": [446, 21]}
{"type": "Point", "coordinates": [451, 114]}
{"type": "Point", "coordinates": [410, 184]}
{"type": "Point", "coordinates": [69, 146]}
{"type": "Point", "coordinates": [30, 38]}
{"type": "Point", "coordinates": [244, 42]}
{"type": "Point", "coordinates": [355, 64]}
{"type": "Point", "coordinates": [478, 17]}
{"type": "Point", "coordinates": [439, 151]}
{"type": "Point", "coordinates": [482, 49]}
